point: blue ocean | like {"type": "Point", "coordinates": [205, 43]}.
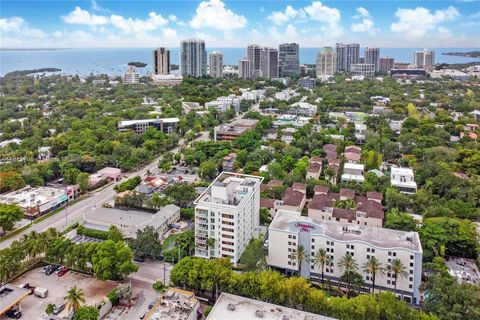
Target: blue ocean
{"type": "Point", "coordinates": [114, 61]}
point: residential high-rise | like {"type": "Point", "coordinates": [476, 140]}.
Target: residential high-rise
{"type": "Point", "coordinates": [161, 61]}
{"type": "Point", "coordinates": [216, 64]}
{"type": "Point", "coordinates": [326, 62]}
{"type": "Point", "coordinates": [253, 55]}
{"type": "Point", "coordinates": [193, 58]}
{"type": "Point", "coordinates": [362, 69]}
{"type": "Point", "coordinates": [131, 76]}
{"type": "Point", "coordinates": [269, 62]}
{"type": "Point", "coordinates": [226, 215]}
{"type": "Point", "coordinates": [244, 68]}
{"type": "Point", "coordinates": [425, 58]}
{"type": "Point", "coordinates": [347, 54]}
{"type": "Point", "coordinates": [386, 64]}
{"type": "Point", "coordinates": [372, 56]}
{"type": "Point", "coordinates": [289, 60]}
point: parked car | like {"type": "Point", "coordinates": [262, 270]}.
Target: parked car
{"type": "Point", "coordinates": [13, 314]}
{"type": "Point", "coordinates": [150, 306]}
{"type": "Point", "coordinates": [58, 309]}
{"type": "Point", "coordinates": [139, 259]}
{"type": "Point", "coordinates": [49, 270]}
{"type": "Point", "coordinates": [62, 272]}
{"type": "Point", "coordinates": [41, 292]}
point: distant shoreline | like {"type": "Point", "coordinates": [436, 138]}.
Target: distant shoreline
{"type": "Point", "coordinates": [471, 54]}
{"type": "Point", "coordinates": [33, 49]}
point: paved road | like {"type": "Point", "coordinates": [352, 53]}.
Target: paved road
{"type": "Point", "coordinates": [75, 212]}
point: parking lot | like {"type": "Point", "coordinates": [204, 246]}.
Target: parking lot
{"type": "Point", "coordinates": [34, 307]}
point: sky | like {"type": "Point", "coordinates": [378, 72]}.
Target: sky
{"type": "Point", "coordinates": [154, 23]}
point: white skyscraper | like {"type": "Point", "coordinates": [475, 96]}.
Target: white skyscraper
{"type": "Point", "coordinates": [226, 215]}
{"type": "Point", "coordinates": [425, 58]}
{"type": "Point", "coordinates": [193, 58]}
{"type": "Point", "coordinates": [372, 56]}
{"type": "Point", "coordinates": [244, 68]}
{"type": "Point", "coordinates": [216, 64]}
{"type": "Point", "coordinates": [269, 62]}
{"type": "Point", "coordinates": [326, 62]}
{"type": "Point", "coordinates": [131, 76]}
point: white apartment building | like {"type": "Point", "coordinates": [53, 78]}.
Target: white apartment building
{"type": "Point", "coordinates": [131, 76]}
{"type": "Point", "coordinates": [403, 179]}
{"type": "Point", "coordinates": [353, 172]}
{"type": "Point", "coordinates": [216, 64]}
{"type": "Point", "coordinates": [226, 215]}
{"type": "Point", "coordinates": [289, 230]}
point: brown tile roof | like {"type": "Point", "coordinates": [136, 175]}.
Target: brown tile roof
{"type": "Point", "coordinates": [372, 208]}
{"type": "Point", "coordinates": [314, 167]}
{"type": "Point", "coordinates": [349, 193]}
{"type": "Point", "coordinates": [335, 167]}
{"type": "Point", "coordinates": [293, 197]}
{"type": "Point", "coordinates": [321, 189]}
{"type": "Point", "coordinates": [333, 161]}
{"type": "Point", "coordinates": [299, 186]}
{"type": "Point", "coordinates": [353, 149]}
{"type": "Point", "coordinates": [375, 195]}
{"type": "Point", "coordinates": [275, 183]}
{"type": "Point", "coordinates": [330, 150]}
{"type": "Point", "coordinates": [344, 214]}
{"type": "Point", "coordinates": [321, 201]}
{"type": "Point", "coordinates": [316, 159]}
{"type": "Point", "coordinates": [267, 203]}
{"type": "Point", "coordinates": [350, 156]}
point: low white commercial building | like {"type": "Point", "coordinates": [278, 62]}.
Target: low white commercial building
{"type": "Point", "coordinates": [176, 304]}
{"type": "Point", "coordinates": [233, 307]}
{"type": "Point", "coordinates": [403, 179]}
{"type": "Point", "coordinates": [166, 80]}
{"type": "Point", "coordinates": [226, 215]}
{"type": "Point", "coordinates": [289, 230]}
{"type": "Point", "coordinates": [353, 172]}
{"type": "Point", "coordinates": [166, 125]}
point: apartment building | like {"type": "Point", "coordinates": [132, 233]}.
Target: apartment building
{"type": "Point", "coordinates": [403, 179]}
{"type": "Point", "coordinates": [226, 216]}
{"type": "Point", "coordinates": [289, 60]}
{"type": "Point", "coordinates": [193, 58]}
{"type": "Point", "coordinates": [362, 69]}
{"type": "Point", "coordinates": [161, 61]}
{"type": "Point", "coordinates": [228, 132]}
{"type": "Point", "coordinates": [244, 68]}
{"type": "Point", "coordinates": [353, 172]}
{"type": "Point", "coordinates": [131, 76]}
{"type": "Point", "coordinates": [289, 230]}
{"type": "Point", "coordinates": [166, 125]}
{"type": "Point", "coordinates": [216, 64]}
{"type": "Point", "coordinates": [326, 62]}
{"type": "Point", "coordinates": [347, 54]}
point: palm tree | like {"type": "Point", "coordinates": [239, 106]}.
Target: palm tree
{"type": "Point", "coordinates": [299, 256]}
{"type": "Point", "coordinates": [74, 297]}
{"type": "Point", "coordinates": [348, 266]}
{"type": "Point", "coordinates": [373, 267]}
{"type": "Point", "coordinates": [321, 258]}
{"type": "Point", "coordinates": [399, 270]}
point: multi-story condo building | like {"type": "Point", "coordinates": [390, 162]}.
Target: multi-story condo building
{"type": "Point", "coordinates": [386, 64]}
{"type": "Point", "coordinates": [253, 55]}
{"type": "Point", "coordinates": [226, 215]}
{"type": "Point", "coordinates": [193, 58]}
{"type": "Point", "coordinates": [289, 60]}
{"type": "Point", "coordinates": [131, 76]}
{"type": "Point", "coordinates": [425, 58]}
{"type": "Point", "coordinates": [166, 125]}
{"type": "Point", "coordinates": [403, 179]}
{"type": "Point", "coordinates": [347, 54]}
{"type": "Point", "coordinates": [269, 62]}
{"type": "Point", "coordinates": [161, 61]}
{"type": "Point", "coordinates": [216, 64]}
{"type": "Point", "coordinates": [372, 56]}
{"type": "Point", "coordinates": [326, 62]}
{"type": "Point", "coordinates": [362, 69]}
{"type": "Point", "coordinates": [244, 68]}
{"type": "Point", "coordinates": [289, 230]}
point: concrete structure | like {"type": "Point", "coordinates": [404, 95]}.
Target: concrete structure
{"type": "Point", "coordinates": [314, 168]}
{"type": "Point", "coordinates": [129, 221]}
{"type": "Point", "coordinates": [229, 132]}
{"type": "Point", "coordinates": [152, 184]}
{"type": "Point", "coordinates": [424, 59]}
{"type": "Point", "coordinates": [228, 163]}
{"type": "Point", "coordinates": [191, 106]}
{"type": "Point", "coordinates": [307, 82]}
{"type": "Point", "coordinates": [372, 56]}
{"type": "Point", "coordinates": [161, 61]}
{"type": "Point", "coordinates": [131, 76]}
{"type": "Point", "coordinates": [228, 212]}
{"type": "Point", "coordinates": [450, 73]}
{"type": "Point", "coordinates": [254, 56]}
{"type": "Point", "coordinates": [289, 230]}
{"type": "Point", "coordinates": [10, 296]}
{"type": "Point", "coordinates": [362, 69]}
{"type": "Point", "coordinates": [166, 125]}
{"type": "Point", "coordinates": [407, 74]}
{"type": "Point", "coordinates": [166, 80]}
{"type": "Point", "coordinates": [44, 153]}
{"type": "Point", "coordinates": [386, 64]}
{"type": "Point", "coordinates": [175, 304]}
{"type": "Point", "coordinates": [286, 94]}
{"type": "Point", "coordinates": [396, 125]}
{"type": "Point", "coordinates": [193, 58]}
{"type": "Point", "coordinates": [289, 60]}
{"type": "Point", "coordinates": [233, 307]}
{"type": "Point", "coordinates": [353, 172]}
{"type": "Point", "coordinates": [216, 64]}
{"type": "Point", "coordinates": [269, 62]}
{"type": "Point", "coordinates": [326, 62]}
{"type": "Point", "coordinates": [37, 201]}
{"type": "Point", "coordinates": [112, 174]}
{"type": "Point", "coordinates": [403, 180]}
{"type": "Point", "coordinates": [347, 54]}
{"type": "Point", "coordinates": [244, 68]}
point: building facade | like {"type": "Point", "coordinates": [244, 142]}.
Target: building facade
{"type": "Point", "coordinates": [166, 125]}
{"type": "Point", "coordinates": [347, 54]}
{"type": "Point", "coordinates": [386, 64]}
{"type": "Point", "coordinates": [326, 62]}
{"type": "Point", "coordinates": [425, 58]}
{"type": "Point", "coordinates": [269, 62]}
{"type": "Point", "coordinates": [289, 60]}
{"type": "Point", "coordinates": [226, 215]}
{"type": "Point", "coordinates": [216, 64]}
{"type": "Point", "coordinates": [131, 76]}
{"type": "Point", "coordinates": [193, 58]}
{"type": "Point", "coordinates": [372, 56]}
{"type": "Point", "coordinates": [253, 55]}
{"type": "Point", "coordinates": [289, 230]}
{"type": "Point", "coordinates": [362, 69]}
{"type": "Point", "coordinates": [161, 61]}
{"type": "Point", "coordinates": [244, 68]}
{"type": "Point", "coordinates": [403, 179]}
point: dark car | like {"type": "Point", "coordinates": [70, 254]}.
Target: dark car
{"type": "Point", "coordinates": [150, 306]}
{"type": "Point", "coordinates": [13, 314]}
{"type": "Point", "coordinates": [63, 271]}
{"type": "Point", "coordinates": [139, 259]}
{"type": "Point", "coordinates": [58, 309]}
{"type": "Point", "coordinates": [49, 270]}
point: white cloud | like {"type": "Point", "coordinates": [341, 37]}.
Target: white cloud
{"type": "Point", "coordinates": [213, 14]}
{"type": "Point", "coordinates": [279, 17]}
{"type": "Point", "coordinates": [319, 12]}
{"type": "Point", "coordinates": [366, 24]}
{"type": "Point", "coordinates": [18, 27]}
{"type": "Point", "coordinates": [362, 12]}
{"type": "Point", "coordinates": [417, 23]}
{"type": "Point", "coordinates": [172, 17]}
{"type": "Point", "coordinates": [475, 15]}
{"type": "Point", "coordinates": [130, 25]}
{"type": "Point", "coordinates": [80, 16]}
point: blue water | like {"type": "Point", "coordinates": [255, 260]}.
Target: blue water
{"type": "Point", "coordinates": [114, 61]}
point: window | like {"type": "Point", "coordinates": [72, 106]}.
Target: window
{"type": "Point", "coordinates": [313, 239]}
{"type": "Point", "coordinates": [289, 249]}
{"type": "Point", "coordinates": [289, 243]}
{"type": "Point", "coordinates": [411, 257]}
{"type": "Point", "coordinates": [368, 249]}
{"type": "Point", "coordinates": [289, 263]}
{"type": "Point", "coordinates": [389, 260]}
{"type": "Point", "coordinates": [294, 237]}
{"type": "Point", "coordinates": [328, 243]}
{"type": "Point", "coordinates": [348, 246]}
{"type": "Point", "coordinates": [411, 264]}
{"type": "Point", "coordinates": [410, 286]}
{"type": "Point", "coordinates": [368, 257]}
{"type": "Point", "coordinates": [373, 250]}
{"type": "Point", "coordinates": [388, 281]}
{"type": "Point", "coordinates": [410, 279]}
{"type": "Point", "coordinates": [331, 250]}
{"type": "Point", "coordinates": [411, 271]}
{"type": "Point", "coordinates": [389, 253]}
{"type": "Point", "coordinates": [394, 254]}
{"type": "Point", "coordinates": [352, 247]}
{"type": "Point", "coordinates": [313, 247]}
{"type": "Point", "coordinates": [289, 236]}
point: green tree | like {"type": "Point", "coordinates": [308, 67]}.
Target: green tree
{"type": "Point", "coordinates": [158, 286]}
{"type": "Point", "coordinates": [373, 267]}
{"type": "Point", "coordinates": [86, 313]}
{"type": "Point", "coordinates": [298, 256]}
{"type": "Point", "coordinates": [112, 261]}
{"type": "Point", "coordinates": [207, 170]}
{"type": "Point", "coordinates": [254, 256]}
{"type": "Point", "coordinates": [321, 258]}
{"type": "Point", "coordinates": [75, 297]}
{"type": "Point", "coordinates": [10, 181]}
{"type": "Point", "coordinates": [114, 234]}
{"type": "Point", "coordinates": [70, 175]}
{"type": "Point", "coordinates": [398, 269]}
{"type": "Point", "coordinates": [9, 214]}
{"type": "Point", "coordinates": [50, 308]}
{"type": "Point", "coordinates": [348, 266]}
{"type": "Point", "coordinates": [82, 181]}
{"type": "Point", "coordinates": [394, 219]}
{"type": "Point", "coordinates": [181, 193]}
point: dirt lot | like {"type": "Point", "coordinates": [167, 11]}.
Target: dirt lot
{"type": "Point", "coordinates": [33, 307]}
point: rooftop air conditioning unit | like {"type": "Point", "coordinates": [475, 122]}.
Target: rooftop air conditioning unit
{"type": "Point", "coordinates": [231, 307]}
{"type": "Point", "coordinates": [259, 314]}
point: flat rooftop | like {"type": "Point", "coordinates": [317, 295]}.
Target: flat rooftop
{"type": "Point", "coordinates": [175, 304]}
{"type": "Point", "coordinates": [230, 190]}
{"type": "Point", "coordinates": [339, 231]}
{"type": "Point", "coordinates": [465, 270]}
{"type": "Point", "coordinates": [132, 122]}
{"type": "Point", "coordinates": [401, 170]}
{"type": "Point", "coordinates": [31, 197]}
{"type": "Point", "coordinates": [232, 307]}
{"type": "Point", "coordinates": [10, 295]}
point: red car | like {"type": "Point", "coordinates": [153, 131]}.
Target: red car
{"type": "Point", "coordinates": [63, 271]}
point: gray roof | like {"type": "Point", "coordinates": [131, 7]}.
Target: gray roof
{"type": "Point", "coordinates": [11, 295]}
